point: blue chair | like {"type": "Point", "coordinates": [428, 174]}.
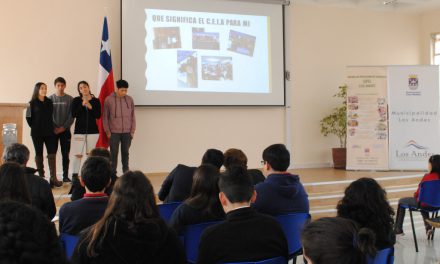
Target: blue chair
{"type": "Point", "coordinates": [429, 195]}
{"type": "Point", "coordinates": [292, 225]}
{"type": "Point", "coordinates": [385, 256]}
{"type": "Point", "coordinates": [166, 210]}
{"type": "Point", "coordinates": [277, 260]}
{"type": "Point", "coordinates": [191, 239]}
{"type": "Point", "coordinates": [68, 243]}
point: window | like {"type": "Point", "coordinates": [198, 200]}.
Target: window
{"type": "Point", "coordinates": [435, 49]}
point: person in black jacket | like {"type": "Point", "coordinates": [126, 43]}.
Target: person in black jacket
{"type": "Point", "coordinates": [131, 230]}
{"type": "Point", "coordinates": [245, 235]}
{"type": "Point", "coordinates": [27, 236]}
{"type": "Point", "coordinates": [203, 204]}
{"type": "Point", "coordinates": [86, 108]}
{"type": "Point", "coordinates": [177, 185]}
{"type": "Point", "coordinates": [39, 116]}
{"type": "Point", "coordinates": [39, 189]}
{"type": "Point", "coordinates": [13, 185]}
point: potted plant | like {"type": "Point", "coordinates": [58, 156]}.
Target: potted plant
{"type": "Point", "coordinates": [336, 123]}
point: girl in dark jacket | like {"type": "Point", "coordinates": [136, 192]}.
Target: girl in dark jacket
{"type": "Point", "coordinates": [131, 230]}
{"type": "Point", "coordinates": [86, 108]}
{"type": "Point", "coordinates": [39, 116]}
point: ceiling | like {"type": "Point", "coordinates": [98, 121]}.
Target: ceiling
{"type": "Point", "coordinates": [412, 6]}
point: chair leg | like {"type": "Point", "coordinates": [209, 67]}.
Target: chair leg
{"type": "Point", "coordinates": [414, 230]}
{"type": "Point", "coordinates": [434, 215]}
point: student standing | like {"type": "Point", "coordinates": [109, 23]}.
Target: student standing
{"type": "Point", "coordinates": [62, 119]}
{"type": "Point", "coordinates": [85, 109]}
{"type": "Point", "coordinates": [119, 123]}
{"type": "Point", "coordinates": [39, 118]}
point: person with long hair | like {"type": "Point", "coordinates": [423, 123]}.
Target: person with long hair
{"type": "Point", "coordinates": [131, 230]}
{"type": "Point", "coordinates": [86, 108]}
{"type": "Point", "coordinates": [433, 175]}
{"type": "Point", "coordinates": [203, 204]}
{"type": "Point", "coordinates": [13, 185]}
{"type": "Point", "coordinates": [365, 202]}
{"type": "Point", "coordinates": [39, 116]}
{"type": "Point", "coordinates": [337, 240]}
{"type": "Point", "coordinates": [27, 236]}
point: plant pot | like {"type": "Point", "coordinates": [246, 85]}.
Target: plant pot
{"type": "Point", "coordinates": [339, 158]}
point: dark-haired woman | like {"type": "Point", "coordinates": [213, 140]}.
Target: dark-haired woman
{"type": "Point", "coordinates": [27, 236]}
{"type": "Point", "coordinates": [433, 175]}
{"type": "Point", "coordinates": [86, 108]}
{"type": "Point", "coordinates": [131, 230]}
{"type": "Point", "coordinates": [39, 116]}
{"type": "Point", "coordinates": [337, 240]}
{"type": "Point", "coordinates": [365, 202]}
{"type": "Point", "coordinates": [203, 204]}
{"type": "Point", "coordinates": [13, 185]}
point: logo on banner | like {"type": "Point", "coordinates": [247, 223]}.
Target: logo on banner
{"type": "Point", "coordinates": [413, 151]}
{"type": "Point", "coordinates": [413, 85]}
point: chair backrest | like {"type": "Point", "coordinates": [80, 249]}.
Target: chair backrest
{"type": "Point", "coordinates": [68, 243]}
{"type": "Point", "coordinates": [166, 210]}
{"type": "Point", "coordinates": [430, 193]}
{"type": "Point", "coordinates": [277, 260]}
{"type": "Point", "coordinates": [292, 225]}
{"type": "Point", "coordinates": [385, 256]}
{"type": "Point", "coordinates": [191, 239]}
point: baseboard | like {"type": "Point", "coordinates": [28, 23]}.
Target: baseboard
{"type": "Point", "coordinates": [311, 165]}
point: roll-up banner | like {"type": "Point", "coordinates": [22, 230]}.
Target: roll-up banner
{"type": "Point", "coordinates": [367, 127]}
{"type": "Point", "coordinates": [414, 129]}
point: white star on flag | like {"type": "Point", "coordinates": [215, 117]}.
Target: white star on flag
{"type": "Point", "coordinates": [105, 45]}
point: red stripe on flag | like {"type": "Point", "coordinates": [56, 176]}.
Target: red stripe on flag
{"type": "Point", "coordinates": [107, 89]}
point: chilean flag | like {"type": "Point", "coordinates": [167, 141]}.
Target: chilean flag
{"type": "Point", "coordinates": [105, 80]}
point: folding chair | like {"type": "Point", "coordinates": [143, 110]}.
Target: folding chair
{"type": "Point", "coordinates": [191, 239]}
{"type": "Point", "coordinates": [68, 243]}
{"type": "Point", "coordinates": [429, 195]}
{"type": "Point", "coordinates": [292, 225]}
{"type": "Point", "coordinates": [166, 210]}
{"type": "Point", "coordinates": [385, 256]}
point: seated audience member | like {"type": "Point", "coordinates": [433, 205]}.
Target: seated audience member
{"type": "Point", "coordinates": [236, 157]}
{"type": "Point", "coordinates": [433, 175]}
{"type": "Point", "coordinates": [281, 192]}
{"type": "Point", "coordinates": [203, 204]}
{"type": "Point", "coordinates": [177, 185]}
{"type": "Point", "coordinates": [245, 235]}
{"type": "Point", "coordinates": [78, 191]}
{"type": "Point", "coordinates": [337, 240]}
{"type": "Point", "coordinates": [365, 202]}
{"type": "Point", "coordinates": [131, 230]}
{"type": "Point", "coordinates": [27, 236]}
{"type": "Point", "coordinates": [80, 214]}
{"type": "Point", "coordinates": [38, 188]}
{"type": "Point", "coordinates": [13, 185]}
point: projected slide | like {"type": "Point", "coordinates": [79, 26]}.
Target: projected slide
{"type": "Point", "coordinates": [206, 52]}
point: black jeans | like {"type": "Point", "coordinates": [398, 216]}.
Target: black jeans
{"type": "Point", "coordinates": [125, 140]}
{"type": "Point", "coordinates": [64, 139]}
{"type": "Point", "coordinates": [40, 141]}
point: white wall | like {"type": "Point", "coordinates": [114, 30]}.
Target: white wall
{"type": "Point", "coordinates": [430, 23]}
{"type": "Point", "coordinates": [46, 38]}
{"type": "Point", "coordinates": [322, 41]}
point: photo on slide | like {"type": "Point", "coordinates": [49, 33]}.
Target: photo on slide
{"type": "Point", "coordinates": [167, 38]}
{"type": "Point", "coordinates": [241, 43]}
{"type": "Point", "coordinates": [205, 40]}
{"type": "Point", "coordinates": [187, 69]}
{"type": "Point", "coordinates": [217, 68]}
